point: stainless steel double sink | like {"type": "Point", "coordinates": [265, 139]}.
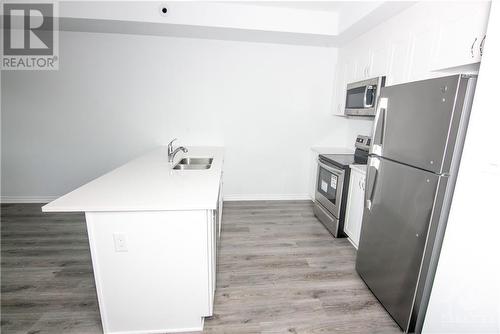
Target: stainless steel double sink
{"type": "Point", "coordinates": [194, 164]}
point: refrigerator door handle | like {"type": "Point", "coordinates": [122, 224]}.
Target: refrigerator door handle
{"type": "Point", "coordinates": [371, 180]}
{"type": "Point", "coordinates": [379, 126]}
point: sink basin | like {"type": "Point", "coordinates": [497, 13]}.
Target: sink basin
{"type": "Point", "coordinates": [194, 163]}
{"type": "Point", "coordinates": [191, 166]}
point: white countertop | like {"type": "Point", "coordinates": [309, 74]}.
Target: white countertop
{"type": "Point", "coordinates": [359, 168]}
{"type": "Point", "coordinates": [332, 150]}
{"type": "Point", "coordinates": [149, 183]}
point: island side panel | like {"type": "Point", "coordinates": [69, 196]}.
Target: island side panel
{"type": "Point", "coordinates": [211, 258]}
{"type": "Point", "coordinates": [151, 269]}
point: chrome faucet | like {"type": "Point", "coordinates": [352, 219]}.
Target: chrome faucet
{"type": "Point", "coordinates": [171, 152]}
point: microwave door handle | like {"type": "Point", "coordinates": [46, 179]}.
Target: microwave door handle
{"type": "Point", "coordinates": [367, 88]}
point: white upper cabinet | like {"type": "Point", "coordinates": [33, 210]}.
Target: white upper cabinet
{"type": "Point", "coordinates": [362, 61]}
{"type": "Point", "coordinates": [423, 49]}
{"type": "Point", "coordinates": [351, 71]}
{"type": "Point", "coordinates": [339, 91]}
{"type": "Point", "coordinates": [346, 73]}
{"type": "Point", "coordinates": [380, 60]}
{"type": "Point", "coordinates": [461, 35]}
{"type": "Point", "coordinates": [415, 44]}
{"type": "Point", "coordinates": [400, 59]}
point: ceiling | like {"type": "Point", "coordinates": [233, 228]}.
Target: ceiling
{"type": "Point", "coordinates": [316, 23]}
{"type": "Point", "coordinates": [328, 6]}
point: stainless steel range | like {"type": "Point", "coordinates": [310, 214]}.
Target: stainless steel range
{"type": "Point", "coordinates": [332, 185]}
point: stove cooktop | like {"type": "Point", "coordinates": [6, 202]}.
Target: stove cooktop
{"type": "Point", "coordinates": [343, 160]}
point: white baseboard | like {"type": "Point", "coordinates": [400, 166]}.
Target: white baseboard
{"type": "Point", "coordinates": [27, 199]}
{"type": "Point", "coordinates": [267, 197]}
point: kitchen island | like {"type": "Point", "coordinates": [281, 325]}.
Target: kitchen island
{"type": "Point", "coordinates": [153, 233]}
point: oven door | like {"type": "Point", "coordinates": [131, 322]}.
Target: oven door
{"type": "Point", "coordinates": [330, 182]}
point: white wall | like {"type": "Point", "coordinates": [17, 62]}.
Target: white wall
{"type": "Point", "coordinates": [236, 15]}
{"type": "Point", "coordinates": [465, 297]}
{"type": "Point", "coordinates": [116, 96]}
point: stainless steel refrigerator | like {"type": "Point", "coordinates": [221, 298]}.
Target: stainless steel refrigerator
{"type": "Point", "coordinates": [419, 130]}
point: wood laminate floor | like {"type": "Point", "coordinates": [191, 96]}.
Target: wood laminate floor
{"type": "Point", "coordinates": [279, 271]}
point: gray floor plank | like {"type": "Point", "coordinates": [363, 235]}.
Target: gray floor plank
{"type": "Point", "coordinates": [279, 271]}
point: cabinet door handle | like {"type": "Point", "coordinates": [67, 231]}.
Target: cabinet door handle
{"type": "Point", "coordinates": [472, 48]}
{"type": "Point", "coordinates": [481, 46]}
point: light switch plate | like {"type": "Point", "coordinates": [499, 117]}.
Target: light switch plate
{"type": "Point", "coordinates": [120, 241]}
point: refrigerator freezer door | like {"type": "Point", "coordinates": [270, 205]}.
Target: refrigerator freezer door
{"type": "Point", "coordinates": [417, 123]}
{"type": "Point", "coordinates": [398, 208]}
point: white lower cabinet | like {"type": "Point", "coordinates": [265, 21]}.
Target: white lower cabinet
{"type": "Point", "coordinates": [163, 278]}
{"type": "Point", "coordinates": [354, 208]}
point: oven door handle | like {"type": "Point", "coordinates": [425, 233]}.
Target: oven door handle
{"type": "Point", "coordinates": [338, 172]}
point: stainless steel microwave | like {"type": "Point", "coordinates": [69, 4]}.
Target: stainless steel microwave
{"type": "Point", "coordinates": [361, 97]}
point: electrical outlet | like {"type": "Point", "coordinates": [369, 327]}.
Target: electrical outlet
{"type": "Point", "coordinates": [120, 241]}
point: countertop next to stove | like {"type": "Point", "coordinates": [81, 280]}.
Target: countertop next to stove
{"type": "Point", "coordinates": [332, 150]}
